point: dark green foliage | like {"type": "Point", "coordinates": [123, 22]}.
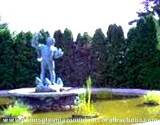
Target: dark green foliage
{"type": "Point", "coordinates": [142, 56]}
{"type": "Point", "coordinates": [115, 62]}
{"type": "Point", "coordinates": [25, 64]}
{"type": "Point", "coordinates": [63, 67]}
{"type": "Point", "coordinates": [111, 61]}
{"type": "Point", "coordinates": [59, 39]}
{"type": "Point", "coordinates": [6, 58]}
{"type": "Point", "coordinates": [67, 36]}
{"type": "Point", "coordinates": [18, 64]}
{"type": "Point", "coordinates": [79, 38]}
{"type": "Point", "coordinates": [73, 68]}
{"type": "Point", "coordinates": [83, 40]}
{"type": "Point", "coordinates": [149, 75]}
{"type": "Point", "coordinates": [67, 43]}
{"type": "Point", "coordinates": [98, 55]}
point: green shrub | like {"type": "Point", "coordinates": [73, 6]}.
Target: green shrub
{"type": "Point", "coordinates": [152, 98]}
{"type": "Point", "coordinates": [16, 110]}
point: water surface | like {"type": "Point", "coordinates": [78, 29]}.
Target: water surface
{"type": "Point", "coordinates": [111, 111]}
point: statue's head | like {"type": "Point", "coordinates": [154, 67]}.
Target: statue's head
{"type": "Point", "coordinates": [50, 41]}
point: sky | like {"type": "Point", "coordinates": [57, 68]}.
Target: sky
{"type": "Point", "coordinates": [78, 15]}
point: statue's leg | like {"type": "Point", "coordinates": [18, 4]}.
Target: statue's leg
{"type": "Point", "coordinates": [43, 68]}
{"type": "Point", "coordinates": [52, 72]}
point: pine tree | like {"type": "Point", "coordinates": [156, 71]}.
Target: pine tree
{"type": "Point", "coordinates": [116, 49]}
{"type": "Point", "coordinates": [98, 55]}
{"type": "Point", "coordinates": [142, 55]}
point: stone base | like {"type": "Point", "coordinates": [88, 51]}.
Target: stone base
{"type": "Point", "coordinates": [48, 101]}
{"type": "Point", "coordinates": [47, 104]}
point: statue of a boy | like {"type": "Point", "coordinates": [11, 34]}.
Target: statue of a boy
{"type": "Point", "coordinates": [46, 55]}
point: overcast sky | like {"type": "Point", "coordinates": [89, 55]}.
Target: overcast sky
{"type": "Point", "coordinates": [77, 15]}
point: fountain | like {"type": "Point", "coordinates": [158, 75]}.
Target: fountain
{"type": "Point", "coordinates": [46, 55]}
{"type": "Point", "coordinates": [49, 93]}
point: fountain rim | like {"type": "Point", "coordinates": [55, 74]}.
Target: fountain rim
{"type": "Point", "coordinates": [114, 91]}
{"type": "Point", "coordinates": [30, 92]}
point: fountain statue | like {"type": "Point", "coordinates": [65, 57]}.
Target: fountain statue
{"type": "Point", "coordinates": [47, 53]}
{"type": "Point", "coordinates": [49, 93]}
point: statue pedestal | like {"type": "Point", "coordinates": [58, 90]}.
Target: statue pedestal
{"type": "Point", "coordinates": [49, 88]}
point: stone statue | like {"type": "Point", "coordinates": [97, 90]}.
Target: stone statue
{"type": "Point", "coordinates": [47, 53]}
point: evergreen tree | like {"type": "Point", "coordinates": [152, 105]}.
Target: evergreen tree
{"type": "Point", "coordinates": [67, 41]}
{"type": "Point", "coordinates": [58, 35]}
{"type": "Point", "coordinates": [67, 36]}
{"type": "Point", "coordinates": [79, 38]}
{"type": "Point", "coordinates": [142, 54]}
{"type": "Point", "coordinates": [26, 67]}
{"type": "Point", "coordinates": [116, 49]}
{"type": "Point", "coordinates": [59, 39]}
{"type": "Point", "coordinates": [6, 58]}
{"type": "Point", "coordinates": [98, 55]}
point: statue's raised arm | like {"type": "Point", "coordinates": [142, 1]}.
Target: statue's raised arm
{"type": "Point", "coordinates": [34, 41]}
{"type": "Point", "coordinates": [37, 45]}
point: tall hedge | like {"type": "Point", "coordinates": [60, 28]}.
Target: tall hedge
{"type": "Point", "coordinates": [111, 60]}
{"type": "Point", "coordinates": [143, 56]}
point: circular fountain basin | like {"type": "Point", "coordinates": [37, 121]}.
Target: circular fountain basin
{"type": "Point", "coordinates": [48, 101]}
{"type": "Point", "coordinates": [63, 100]}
